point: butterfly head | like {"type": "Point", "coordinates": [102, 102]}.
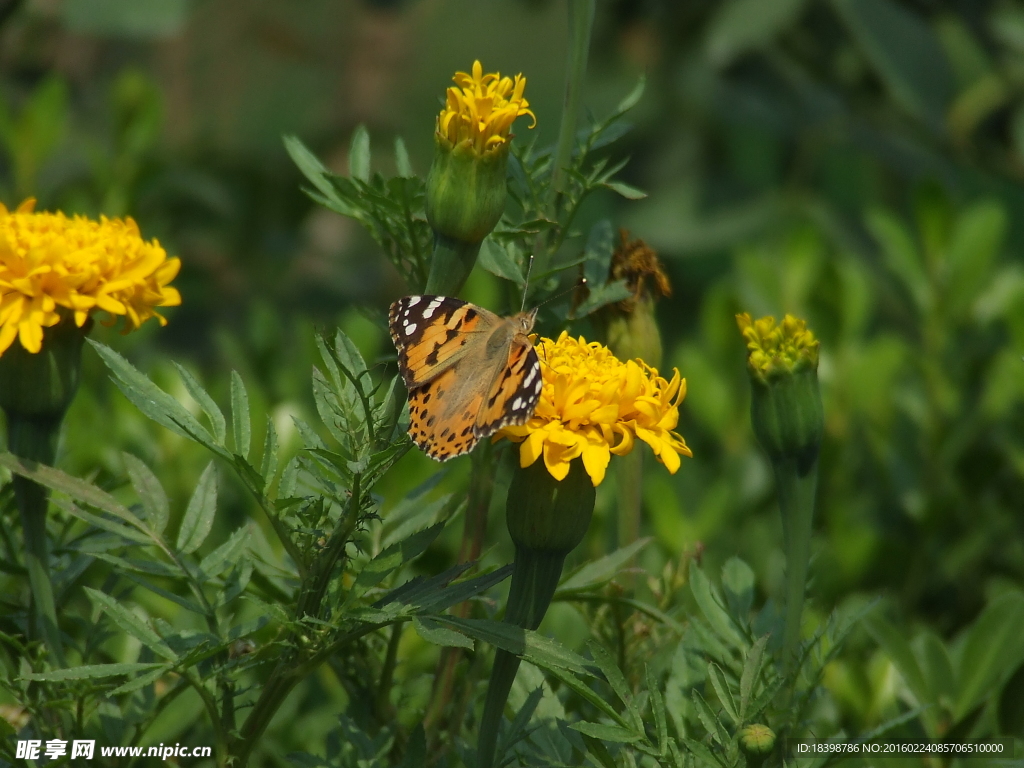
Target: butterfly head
{"type": "Point", "coordinates": [524, 321]}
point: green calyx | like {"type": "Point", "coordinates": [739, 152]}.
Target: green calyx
{"type": "Point", "coordinates": [788, 418]}
{"type": "Point", "coordinates": [41, 386]}
{"type": "Point", "coordinates": [757, 741]}
{"type": "Point", "coordinates": [547, 515]}
{"type": "Point", "coordinates": [466, 190]}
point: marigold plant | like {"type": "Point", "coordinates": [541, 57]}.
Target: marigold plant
{"type": "Point", "coordinates": [52, 265]}
{"type": "Point", "coordinates": [593, 405]}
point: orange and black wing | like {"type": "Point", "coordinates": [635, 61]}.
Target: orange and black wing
{"type": "Point", "coordinates": [514, 392]}
{"type": "Point", "coordinates": [444, 438]}
{"type": "Point", "coordinates": [431, 334]}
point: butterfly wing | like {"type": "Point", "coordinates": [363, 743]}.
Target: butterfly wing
{"type": "Point", "coordinates": [432, 333]}
{"type": "Point", "coordinates": [514, 392]}
{"type": "Point", "coordinates": [442, 413]}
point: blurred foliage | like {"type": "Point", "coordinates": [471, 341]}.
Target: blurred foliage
{"type": "Point", "coordinates": [856, 162]}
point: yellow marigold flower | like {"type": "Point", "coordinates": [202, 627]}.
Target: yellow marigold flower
{"type": "Point", "coordinates": [593, 405]}
{"type": "Point", "coordinates": [482, 108]}
{"type": "Point", "coordinates": [783, 348]}
{"type": "Point", "coordinates": [52, 266]}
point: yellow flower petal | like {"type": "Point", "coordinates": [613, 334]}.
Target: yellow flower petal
{"type": "Point", "coordinates": [52, 266]}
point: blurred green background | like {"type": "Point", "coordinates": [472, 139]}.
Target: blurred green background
{"type": "Point", "coordinates": [855, 162]}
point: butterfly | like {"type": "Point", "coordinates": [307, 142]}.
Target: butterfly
{"type": "Point", "coordinates": [469, 372]}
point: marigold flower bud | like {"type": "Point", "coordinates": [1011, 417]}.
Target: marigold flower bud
{"type": "Point", "coordinates": [786, 410]}
{"type": "Point", "coordinates": [757, 741]}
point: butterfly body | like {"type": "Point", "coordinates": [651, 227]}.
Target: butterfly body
{"type": "Point", "coordinates": [469, 372]}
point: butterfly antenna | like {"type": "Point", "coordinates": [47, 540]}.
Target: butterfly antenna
{"type": "Point", "coordinates": [582, 282]}
{"type": "Point", "coordinates": [526, 285]}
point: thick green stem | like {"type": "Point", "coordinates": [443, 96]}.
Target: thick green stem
{"type": "Point", "coordinates": [535, 576]}
{"type": "Point", "coordinates": [796, 490]}
{"type": "Point", "coordinates": [581, 25]}
{"type": "Point", "coordinates": [450, 265]}
{"type": "Point", "coordinates": [36, 440]}
{"type": "Point", "coordinates": [629, 475]}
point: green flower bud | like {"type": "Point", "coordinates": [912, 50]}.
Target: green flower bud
{"type": "Point", "coordinates": [786, 410]}
{"type": "Point", "coordinates": [465, 190]}
{"type": "Point", "coordinates": [757, 741]}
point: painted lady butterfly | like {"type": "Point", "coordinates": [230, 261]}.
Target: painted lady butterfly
{"type": "Point", "coordinates": [469, 372]}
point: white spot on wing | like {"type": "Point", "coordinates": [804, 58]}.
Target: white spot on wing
{"type": "Point", "coordinates": [517, 404]}
{"type": "Point", "coordinates": [410, 328]}
{"type": "Point", "coordinates": [429, 311]}
{"type": "Point", "coordinates": [414, 300]}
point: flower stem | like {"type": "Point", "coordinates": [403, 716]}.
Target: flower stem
{"type": "Point", "coordinates": [581, 25]}
{"type": "Point", "coordinates": [450, 265]}
{"type": "Point", "coordinates": [535, 576]}
{"type": "Point", "coordinates": [796, 485]}
{"type": "Point", "coordinates": [629, 477]}
{"type": "Point", "coordinates": [36, 439]}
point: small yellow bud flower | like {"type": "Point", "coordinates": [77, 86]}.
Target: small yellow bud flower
{"type": "Point", "coordinates": [783, 348]}
{"type": "Point", "coordinates": [481, 110]}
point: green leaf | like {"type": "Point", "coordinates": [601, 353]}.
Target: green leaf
{"type": "Point", "coordinates": [131, 623]}
{"type": "Point", "coordinates": [496, 259]}
{"type": "Point", "coordinates": [434, 633]}
{"type": "Point", "coordinates": [315, 172]}
{"type": "Point", "coordinates": [90, 671]}
{"type": "Point", "coordinates": [210, 408]}
{"type": "Point", "coordinates": [738, 583]}
{"type": "Point", "coordinates": [936, 666]}
{"type": "Point", "coordinates": [85, 492]}
{"type": "Point", "coordinates": [626, 190]}
{"type": "Point", "coordinates": [602, 296]}
{"type": "Point", "coordinates": [710, 605]}
{"type": "Point", "coordinates": [992, 650]}
{"type": "Point", "coordinates": [740, 26]}
{"type": "Point", "coordinates": [531, 646]}
{"type": "Point", "coordinates": [977, 236]}
{"type": "Point", "coordinates": [702, 753]}
{"type": "Point", "coordinates": [750, 676]}
{"type": "Point", "coordinates": [268, 467]}
{"type": "Point", "coordinates": [598, 252]}
{"type": "Point", "coordinates": [241, 427]}
{"type": "Point", "coordinates": [141, 681]}
{"type": "Point", "coordinates": [901, 254]}
{"type": "Point", "coordinates": [601, 571]}
{"type": "Point", "coordinates": [905, 53]}
{"type": "Point", "coordinates": [709, 719]}
{"type": "Point", "coordinates": [131, 534]}
{"type": "Point", "coordinates": [402, 162]}
{"type": "Point", "coordinates": [658, 708]}
{"type": "Point", "coordinates": [617, 681]}
{"type": "Point", "coordinates": [227, 554]}
{"type": "Point", "coordinates": [202, 507]}
{"type": "Point", "coordinates": [359, 154]}
{"type": "Point", "coordinates": [633, 97]}
{"type": "Point", "coordinates": [723, 692]}
{"type": "Point", "coordinates": [150, 492]}
{"type": "Point", "coordinates": [612, 733]}
{"type": "Point", "coordinates": [153, 401]}
{"type": "Point", "coordinates": [898, 649]}
{"type": "Point", "coordinates": [397, 555]}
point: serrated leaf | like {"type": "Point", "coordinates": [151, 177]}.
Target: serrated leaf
{"type": "Point", "coordinates": [602, 570]}
{"type": "Point", "coordinates": [658, 708]}
{"type": "Point", "coordinates": [132, 624]}
{"type": "Point", "coordinates": [210, 408]}
{"type": "Point", "coordinates": [617, 681]}
{"type": "Point", "coordinates": [612, 733]}
{"type": "Point", "coordinates": [268, 466]}
{"type": "Point", "coordinates": [90, 671]}
{"type": "Point", "coordinates": [199, 514]}
{"type": "Point", "coordinates": [150, 492]}
{"type": "Point", "coordinates": [496, 259]}
{"type": "Point", "coordinates": [397, 555]}
{"type": "Point", "coordinates": [531, 646]}
{"type": "Point", "coordinates": [359, 154]}
{"type": "Point", "coordinates": [750, 675]}
{"type": "Point", "coordinates": [310, 166]}
{"type": "Point", "coordinates": [241, 427]}
{"type": "Point", "coordinates": [434, 633]}
{"type": "Point", "coordinates": [153, 401]}
{"type": "Point", "coordinates": [627, 191]}
{"type": "Point", "coordinates": [709, 719]}
{"type": "Point", "coordinates": [402, 162]}
{"type": "Point", "coordinates": [725, 697]}
{"type": "Point", "coordinates": [102, 523]}
{"type": "Point", "coordinates": [710, 605]}
{"type": "Point", "coordinates": [142, 681]}
{"type": "Point", "coordinates": [226, 554]}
